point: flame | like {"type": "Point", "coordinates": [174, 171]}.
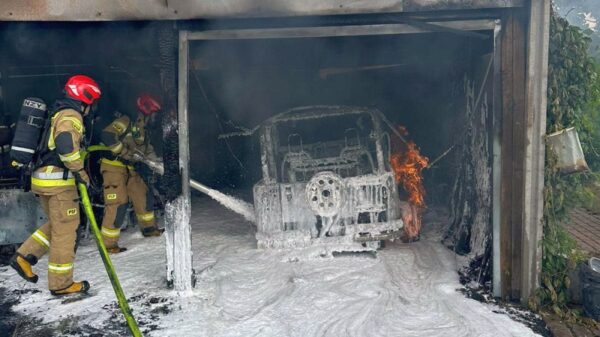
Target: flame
{"type": "Point", "coordinates": [408, 165]}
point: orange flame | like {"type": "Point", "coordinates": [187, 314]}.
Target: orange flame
{"type": "Point", "coordinates": [408, 165]}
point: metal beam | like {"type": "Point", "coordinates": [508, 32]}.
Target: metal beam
{"type": "Point", "coordinates": [497, 163]}
{"type": "Point", "coordinates": [183, 278]}
{"type": "Point", "coordinates": [116, 10]}
{"type": "Point", "coordinates": [362, 30]}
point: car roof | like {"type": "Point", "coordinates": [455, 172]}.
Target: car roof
{"type": "Point", "coordinates": [319, 111]}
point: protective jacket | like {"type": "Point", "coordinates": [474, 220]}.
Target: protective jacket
{"type": "Point", "coordinates": [121, 182]}
{"type": "Point", "coordinates": [60, 156]}
{"type": "Point", "coordinates": [124, 138]}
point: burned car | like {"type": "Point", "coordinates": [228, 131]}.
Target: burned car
{"type": "Point", "coordinates": [326, 180]}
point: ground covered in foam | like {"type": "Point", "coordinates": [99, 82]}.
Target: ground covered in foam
{"type": "Point", "coordinates": [406, 290]}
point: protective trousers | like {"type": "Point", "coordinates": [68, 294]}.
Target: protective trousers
{"type": "Point", "coordinates": [58, 236]}
{"type": "Point", "coordinates": [121, 185]}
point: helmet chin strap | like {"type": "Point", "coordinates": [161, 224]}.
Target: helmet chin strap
{"type": "Point", "coordinates": [90, 121]}
{"type": "Point", "coordinates": [85, 109]}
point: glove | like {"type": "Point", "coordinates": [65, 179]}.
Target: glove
{"type": "Point", "coordinates": [124, 154]}
{"type": "Point", "coordinates": [137, 155]}
{"type": "Point", "coordinates": [153, 157]}
{"type": "Point", "coordinates": [82, 177]}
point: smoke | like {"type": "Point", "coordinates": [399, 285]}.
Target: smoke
{"type": "Point", "coordinates": [39, 57]}
{"type": "Point", "coordinates": [238, 84]}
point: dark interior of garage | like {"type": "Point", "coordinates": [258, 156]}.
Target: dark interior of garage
{"type": "Point", "coordinates": [417, 81]}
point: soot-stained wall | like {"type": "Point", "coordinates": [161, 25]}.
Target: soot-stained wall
{"type": "Point", "coordinates": [415, 80]}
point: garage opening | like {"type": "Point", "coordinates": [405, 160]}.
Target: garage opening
{"type": "Point", "coordinates": [275, 115]}
{"type": "Point", "coordinates": [339, 98]}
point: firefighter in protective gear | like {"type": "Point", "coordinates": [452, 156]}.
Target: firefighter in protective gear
{"type": "Point", "coordinates": [121, 182]}
{"type": "Point", "coordinates": [54, 180]}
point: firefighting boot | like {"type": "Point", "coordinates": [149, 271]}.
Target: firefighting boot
{"type": "Point", "coordinates": [76, 287]}
{"type": "Point", "coordinates": [116, 250]}
{"type": "Point", "coordinates": [152, 231]}
{"type": "Point", "coordinates": [23, 265]}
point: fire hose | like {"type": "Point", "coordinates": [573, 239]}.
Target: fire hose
{"type": "Point", "coordinates": [159, 168]}
{"type": "Point", "coordinates": [110, 270]}
{"type": "Point", "coordinates": [246, 210]}
{"type": "Point", "coordinates": [238, 206]}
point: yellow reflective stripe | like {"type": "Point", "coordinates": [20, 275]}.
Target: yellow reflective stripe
{"type": "Point", "coordinates": [111, 233]}
{"type": "Point", "coordinates": [94, 148]}
{"type": "Point", "coordinates": [51, 144]}
{"type": "Point", "coordinates": [116, 148]}
{"type": "Point", "coordinates": [41, 238]}
{"type": "Point", "coordinates": [59, 268]}
{"type": "Point", "coordinates": [115, 163]}
{"type": "Point", "coordinates": [76, 124]}
{"type": "Point", "coordinates": [146, 216]}
{"type": "Point", "coordinates": [70, 157]}
{"type": "Point", "coordinates": [52, 182]}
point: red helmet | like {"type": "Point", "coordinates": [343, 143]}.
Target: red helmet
{"type": "Point", "coordinates": [148, 104]}
{"type": "Point", "coordinates": [83, 88]}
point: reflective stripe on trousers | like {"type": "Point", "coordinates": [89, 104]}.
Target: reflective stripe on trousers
{"type": "Point", "coordinates": [59, 268]}
{"type": "Point", "coordinates": [111, 233]}
{"type": "Point", "coordinates": [41, 238]}
{"type": "Point", "coordinates": [146, 217]}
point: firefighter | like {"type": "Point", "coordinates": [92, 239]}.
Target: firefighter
{"type": "Point", "coordinates": [121, 181]}
{"type": "Point", "coordinates": [54, 182]}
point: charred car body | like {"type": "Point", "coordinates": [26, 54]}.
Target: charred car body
{"type": "Point", "coordinates": [326, 180]}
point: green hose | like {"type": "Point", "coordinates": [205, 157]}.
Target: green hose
{"type": "Point", "coordinates": [84, 152]}
{"type": "Point", "coordinates": [110, 270]}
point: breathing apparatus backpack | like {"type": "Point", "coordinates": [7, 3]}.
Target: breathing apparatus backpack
{"type": "Point", "coordinates": [30, 130]}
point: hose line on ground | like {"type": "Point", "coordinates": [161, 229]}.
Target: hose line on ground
{"type": "Point", "coordinates": [110, 270]}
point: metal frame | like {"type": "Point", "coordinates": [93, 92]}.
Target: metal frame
{"type": "Point", "coordinates": [182, 113]}
{"type": "Point", "coordinates": [182, 257]}
{"type": "Point", "coordinates": [337, 31]}
{"type": "Point", "coordinates": [497, 163]}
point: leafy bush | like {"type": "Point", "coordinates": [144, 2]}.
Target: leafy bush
{"type": "Point", "coordinates": [573, 100]}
